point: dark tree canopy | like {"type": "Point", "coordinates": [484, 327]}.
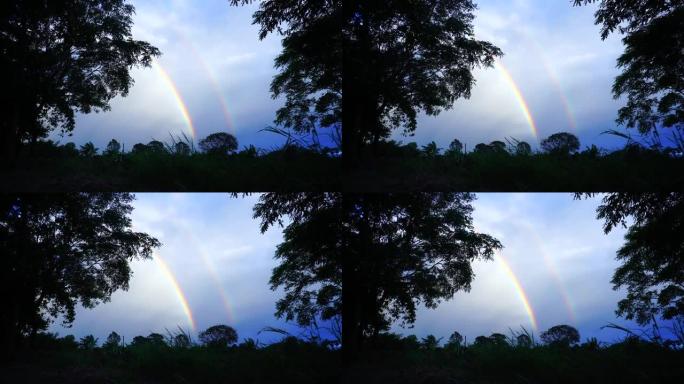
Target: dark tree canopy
{"type": "Point", "coordinates": [561, 335]}
{"type": "Point", "coordinates": [218, 336]}
{"type": "Point", "coordinates": [221, 143]}
{"type": "Point", "coordinates": [562, 143]}
{"type": "Point", "coordinates": [406, 57]}
{"type": "Point", "coordinates": [652, 258]}
{"type": "Point", "coordinates": [310, 63]}
{"type": "Point", "coordinates": [58, 58]}
{"type": "Point", "coordinates": [387, 254]}
{"type": "Point", "coordinates": [652, 64]}
{"type": "Point", "coordinates": [62, 250]}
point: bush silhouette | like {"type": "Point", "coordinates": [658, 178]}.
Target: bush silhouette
{"type": "Point", "coordinates": [218, 336]}
{"type": "Point", "coordinates": [562, 143]}
{"type": "Point", "coordinates": [220, 143]}
{"type": "Point", "coordinates": [561, 336]}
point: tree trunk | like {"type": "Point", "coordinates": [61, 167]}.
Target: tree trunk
{"type": "Point", "coordinates": [350, 298]}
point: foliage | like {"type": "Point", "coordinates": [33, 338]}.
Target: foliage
{"type": "Point", "coordinates": [88, 150]}
{"type": "Point", "coordinates": [652, 63]}
{"type": "Point", "coordinates": [651, 259]}
{"type": "Point", "coordinates": [406, 57]}
{"type": "Point", "coordinates": [219, 143]}
{"type": "Point", "coordinates": [88, 342]}
{"type": "Point", "coordinates": [62, 250]}
{"type": "Point", "coordinates": [60, 58]}
{"type": "Point", "coordinates": [561, 336]}
{"type": "Point", "coordinates": [113, 341]}
{"type": "Point", "coordinates": [562, 143]}
{"type": "Point", "coordinates": [218, 336]}
{"type": "Point", "coordinates": [455, 340]}
{"type": "Point", "coordinates": [113, 148]}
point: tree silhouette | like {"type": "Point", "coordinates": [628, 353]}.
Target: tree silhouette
{"type": "Point", "coordinates": [88, 343]}
{"type": "Point", "coordinates": [218, 336]}
{"type": "Point", "coordinates": [63, 250]}
{"type": "Point", "coordinates": [455, 341]}
{"type": "Point", "coordinates": [219, 143]}
{"type": "Point", "coordinates": [405, 57]}
{"type": "Point", "coordinates": [523, 148]}
{"type": "Point", "coordinates": [371, 258]}
{"type": "Point", "coordinates": [113, 148]}
{"type": "Point", "coordinates": [561, 336]}
{"type": "Point", "coordinates": [652, 258]}
{"type": "Point", "coordinates": [88, 150]}
{"type": "Point", "coordinates": [58, 58]}
{"type": "Point", "coordinates": [652, 64]}
{"type": "Point", "coordinates": [310, 63]}
{"type": "Point", "coordinates": [455, 148]}
{"type": "Point", "coordinates": [562, 144]}
{"type": "Point", "coordinates": [113, 341]}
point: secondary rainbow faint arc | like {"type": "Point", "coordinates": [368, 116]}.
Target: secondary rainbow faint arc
{"type": "Point", "coordinates": [551, 267]}
{"type": "Point", "coordinates": [182, 107]}
{"type": "Point", "coordinates": [177, 289]}
{"type": "Point", "coordinates": [519, 289]}
{"type": "Point", "coordinates": [212, 79]}
{"type": "Point", "coordinates": [518, 96]}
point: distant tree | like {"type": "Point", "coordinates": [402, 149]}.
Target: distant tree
{"type": "Point", "coordinates": [113, 341]}
{"type": "Point", "coordinates": [139, 148]}
{"type": "Point", "coordinates": [482, 340]}
{"type": "Point", "coordinates": [652, 63]}
{"type": "Point", "coordinates": [70, 149]}
{"type": "Point", "coordinates": [561, 335]}
{"type": "Point", "coordinates": [60, 250]}
{"type": "Point", "coordinates": [181, 148]}
{"type": "Point", "coordinates": [431, 150]}
{"type": "Point", "coordinates": [156, 146]}
{"type": "Point", "coordinates": [88, 343]}
{"type": "Point", "coordinates": [138, 341]}
{"type": "Point", "coordinates": [483, 148]}
{"type": "Point", "coordinates": [498, 146]}
{"type": "Point", "coordinates": [523, 340]}
{"type": "Point", "coordinates": [562, 143]}
{"type": "Point", "coordinates": [69, 342]}
{"type": "Point", "coordinates": [430, 343]}
{"type": "Point", "coordinates": [386, 254]}
{"type": "Point", "coordinates": [455, 148]}
{"type": "Point", "coordinates": [219, 143]}
{"type": "Point", "coordinates": [181, 340]}
{"type": "Point", "coordinates": [88, 150]}
{"type": "Point", "coordinates": [455, 340]}
{"type": "Point", "coordinates": [498, 339]}
{"type": "Point", "coordinates": [523, 149]}
{"type": "Point", "coordinates": [652, 267]}
{"type": "Point", "coordinates": [219, 336]}
{"type": "Point", "coordinates": [156, 339]}
{"type": "Point", "coordinates": [113, 148]}
{"type": "Point", "coordinates": [411, 343]}
{"type": "Point", "coordinates": [58, 58]}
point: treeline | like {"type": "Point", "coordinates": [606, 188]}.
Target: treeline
{"type": "Point", "coordinates": [562, 144]}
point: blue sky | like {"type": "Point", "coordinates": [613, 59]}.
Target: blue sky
{"type": "Point", "coordinates": [211, 51]}
{"type": "Point", "coordinates": [222, 263]}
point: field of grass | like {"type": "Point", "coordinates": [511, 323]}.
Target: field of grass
{"type": "Point", "coordinates": [620, 170]}
{"type": "Point", "coordinates": [631, 361]}
{"type": "Point", "coordinates": [289, 361]}
{"type": "Point", "coordinates": [295, 170]}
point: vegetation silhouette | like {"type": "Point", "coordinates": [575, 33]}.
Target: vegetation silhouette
{"type": "Point", "coordinates": [517, 358]}
{"type": "Point", "coordinates": [652, 63]}
{"type": "Point", "coordinates": [652, 257]}
{"type": "Point", "coordinates": [174, 358]}
{"type": "Point", "coordinates": [558, 165]}
{"type": "Point", "coordinates": [176, 165]}
{"type": "Point", "coordinates": [371, 258]}
{"type": "Point", "coordinates": [60, 58]}
{"type": "Point", "coordinates": [405, 57]}
{"type": "Point", "coordinates": [60, 251]}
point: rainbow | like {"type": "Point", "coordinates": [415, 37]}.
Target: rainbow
{"type": "Point", "coordinates": [518, 96]}
{"type": "Point", "coordinates": [519, 289]}
{"type": "Point", "coordinates": [176, 287]}
{"type": "Point", "coordinates": [550, 265]}
{"type": "Point", "coordinates": [212, 79]}
{"type": "Point", "coordinates": [182, 107]}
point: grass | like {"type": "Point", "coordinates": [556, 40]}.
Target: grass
{"type": "Point", "coordinates": [630, 361]}
{"type": "Point", "coordinates": [293, 169]}
{"type": "Point", "coordinates": [587, 171]}
{"type": "Point", "coordinates": [289, 361]}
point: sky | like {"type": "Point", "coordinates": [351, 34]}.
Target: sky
{"type": "Point", "coordinates": [215, 73]}
{"type": "Point", "coordinates": [214, 266]}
